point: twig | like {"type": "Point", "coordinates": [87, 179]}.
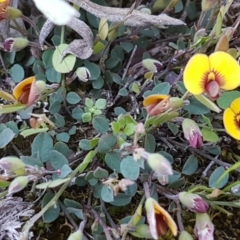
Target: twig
{"type": "Point", "coordinates": [69, 217]}
{"type": "Point", "coordinates": [113, 225]}
{"type": "Point", "coordinates": [102, 223]}
{"type": "Point", "coordinates": [179, 218]}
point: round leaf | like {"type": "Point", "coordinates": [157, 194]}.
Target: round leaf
{"type": "Point", "coordinates": [68, 62]}
{"type": "Point", "coordinates": [130, 168]}
{"type": "Point", "coordinates": [190, 166]}
{"type": "Point", "coordinates": [216, 174]}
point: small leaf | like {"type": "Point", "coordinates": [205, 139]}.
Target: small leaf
{"type": "Point", "coordinates": [52, 184]}
{"type": "Point", "coordinates": [226, 99]}
{"type": "Point", "coordinates": [6, 136]}
{"type": "Point", "coordinates": [208, 103]}
{"type": "Point", "coordinates": [73, 98]}
{"type": "Point", "coordinates": [130, 168]}
{"type": "Point", "coordinates": [190, 166]}
{"type": "Point", "coordinates": [107, 194]}
{"type": "Point", "coordinates": [103, 28]}
{"type": "Point", "coordinates": [106, 142]}
{"type": "Point", "coordinates": [53, 212]}
{"type": "Point", "coordinates": [209, 135]}
{"type": "Point", "coordinates": [100, 173]}
{"type": "Point", "coordinates": [63, 65]}
{"type": "Point", "coordinates": [42, 144]}
{"type": "Point", "coordinates": [214, 178]}
{"type": "Point", "coordinates": [57, 159]}
{"type": "Point", "coordinates": [150, 143]}
{"type": "Point", "coordinates": [100, 124]}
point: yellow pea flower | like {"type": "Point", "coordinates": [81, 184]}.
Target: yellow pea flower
{"type": "Point", "coordinates": [156, 104]}
{"type": "Point", "coordinates": [159, 219]}
{"type": "Point", "coordinates": [28, 90]}
{"type": "Point", "coordinates": [231, 119]}
{"type": "Point", "coordinates": [211, 74]}
{"type": "Point", "coordinates": [3, 7]}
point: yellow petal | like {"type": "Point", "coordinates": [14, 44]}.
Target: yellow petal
{"type": "Point", "coordinates": [170, 222]}
{"type": "Point", "coordinates": [21, 87]}
{"type": "Point", "coordinates": [194, 73]}
{"type": "Point", "coordinates": [155, 98]}
{"type": "Point", "coordinates": [227, 67]}
{"type": "Point", "coordinates": [235, 106]}
{"type": "Point", "coordinates": [230, 124]}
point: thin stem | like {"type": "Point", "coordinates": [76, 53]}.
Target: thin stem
{"type": "Point", "coordinates": [32, 23]}
{"type": "Point", "coordinates": [179, 218]}
{"type": "Point", "coordinates": [81, 167]}
{"type": "Point", "coordinates": [102, 223]}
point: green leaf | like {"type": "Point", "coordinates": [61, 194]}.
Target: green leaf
{"type": "Point", "coordinates": [17, 73]}
{"type": "Point", "coordinates": [209, 135]}
{"type": "Point", "coordinates": [32, 131]}
{"type": "Point", "coordinates": [100, 173]}
{"type": "Point", "coordinates": [113, 161]}
{"type": "Point", "coordinates": [73, 98]}
{"type": "Point", "coordinates": [208, 103]}
{"type": "Point", "coordinates": [52, 184]}
{"type": "Point", "coordinates": [195, 107]}
{"type": "Point", "coordinates": [216, 174]}
{"type": "Point", "coordinates": [53, 212]}
{"type": "Point", "coordinates": [63, 137]}
{"type": "Point", "coordinates": [121, 200]}
{"type": "Point", "coordinates": [55, 107]}
{"type": "Point", "coordinates": [47, 57]}
{"type": "Point", "coordinates": [100, 124]}
{"type": "Point", "coordinates": [94, 69]}
{"type": "Point", "coordinates": [42, 144]}
{"type": "Point", "coordinates": [62, 148]}
{"type": "Point", "coordinates": [87, 117]}
{"type": "Point", "coordinates": [89, 102]}
{"type": "Point", "coordinates": [150, 143]}
{"type": "Point", "coordinates": [173, 127]}
{"type": "Point", "coordinates": [67, 64]}
{"type": "Point", "coordinates": [106, 143]}
{"type": "Point", "coordinates": [12, 125]}
{"type": "Point", "coordinates": [86, 144]}
{"type": "Point", "coordinates": [226, 99]}
{"type": "Point", "coordinates": [129, 129]}
{"type": "Point", "coordinates": [190, 166]}
{"type": "Point", "coordinates": [161, 88]}
{"type": "Point", "coordinates": [130, 168]}
{"type": "Point", "coordinates": [11, 108]}
{"type": "Point", "coordinates": [57, 159]}
{"type": "Point", "coordinates": [100, 103]}
{"type": "Point", "coordinates": [77, 113]}
{"type": "Point", "coordinates": [107, 194]}
{"type": "Point", "coordinates": [6, 136]}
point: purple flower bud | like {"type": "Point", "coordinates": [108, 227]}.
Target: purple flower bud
{"type": "Point", "coordinates": [192, 133]}
{"type": "Point", "coordinates": [15, 44]}
{"type": "Point", "coordinates": [193, 202]}
{"type": "Point", "coordinates": [204, 228]}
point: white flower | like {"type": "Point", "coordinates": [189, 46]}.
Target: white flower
{"type": "Point", "coordinates": [57, 11]}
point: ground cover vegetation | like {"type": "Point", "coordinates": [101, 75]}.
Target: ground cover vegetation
{"type": "Point", "coordinates": [119, 119]}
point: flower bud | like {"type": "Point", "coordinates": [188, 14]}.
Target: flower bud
{"type": "Point", "coordinates": [18, 184]}
{"type": "Point", "coordinates": [204, 228]}
{"type": "Point", "coordinates": [143, 231]}
{"type": "Point", "coordinates": [159, 164]}
{"type": "Point", "coordinates": [192, 133]}
{"type": "Point", "coordinates": [159, 219]}
{"type": "Point", "coordinates": [184, 235]}
{"type": "Point", "coordinates": [13, 164]}
{"type": "Point", "coordinates": [78, 235]}
{"type": "Point", "coordinates": [193, 202]}
{"type": "Point", "coordinates": [15, 44]}
{"type": "Point", "coordinates": [12, 13]}
{"type": "Point", "coordinates": [152, 65]}
{"type": "Point", "coordinates": [83, 74]}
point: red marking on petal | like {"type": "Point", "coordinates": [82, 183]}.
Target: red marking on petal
{"type": "Point", "coordinates": [161, 225]}
{"type": "Point", "coordinates": [237, 121]}
{"type": "Point", "coordinates": [212, 88]}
